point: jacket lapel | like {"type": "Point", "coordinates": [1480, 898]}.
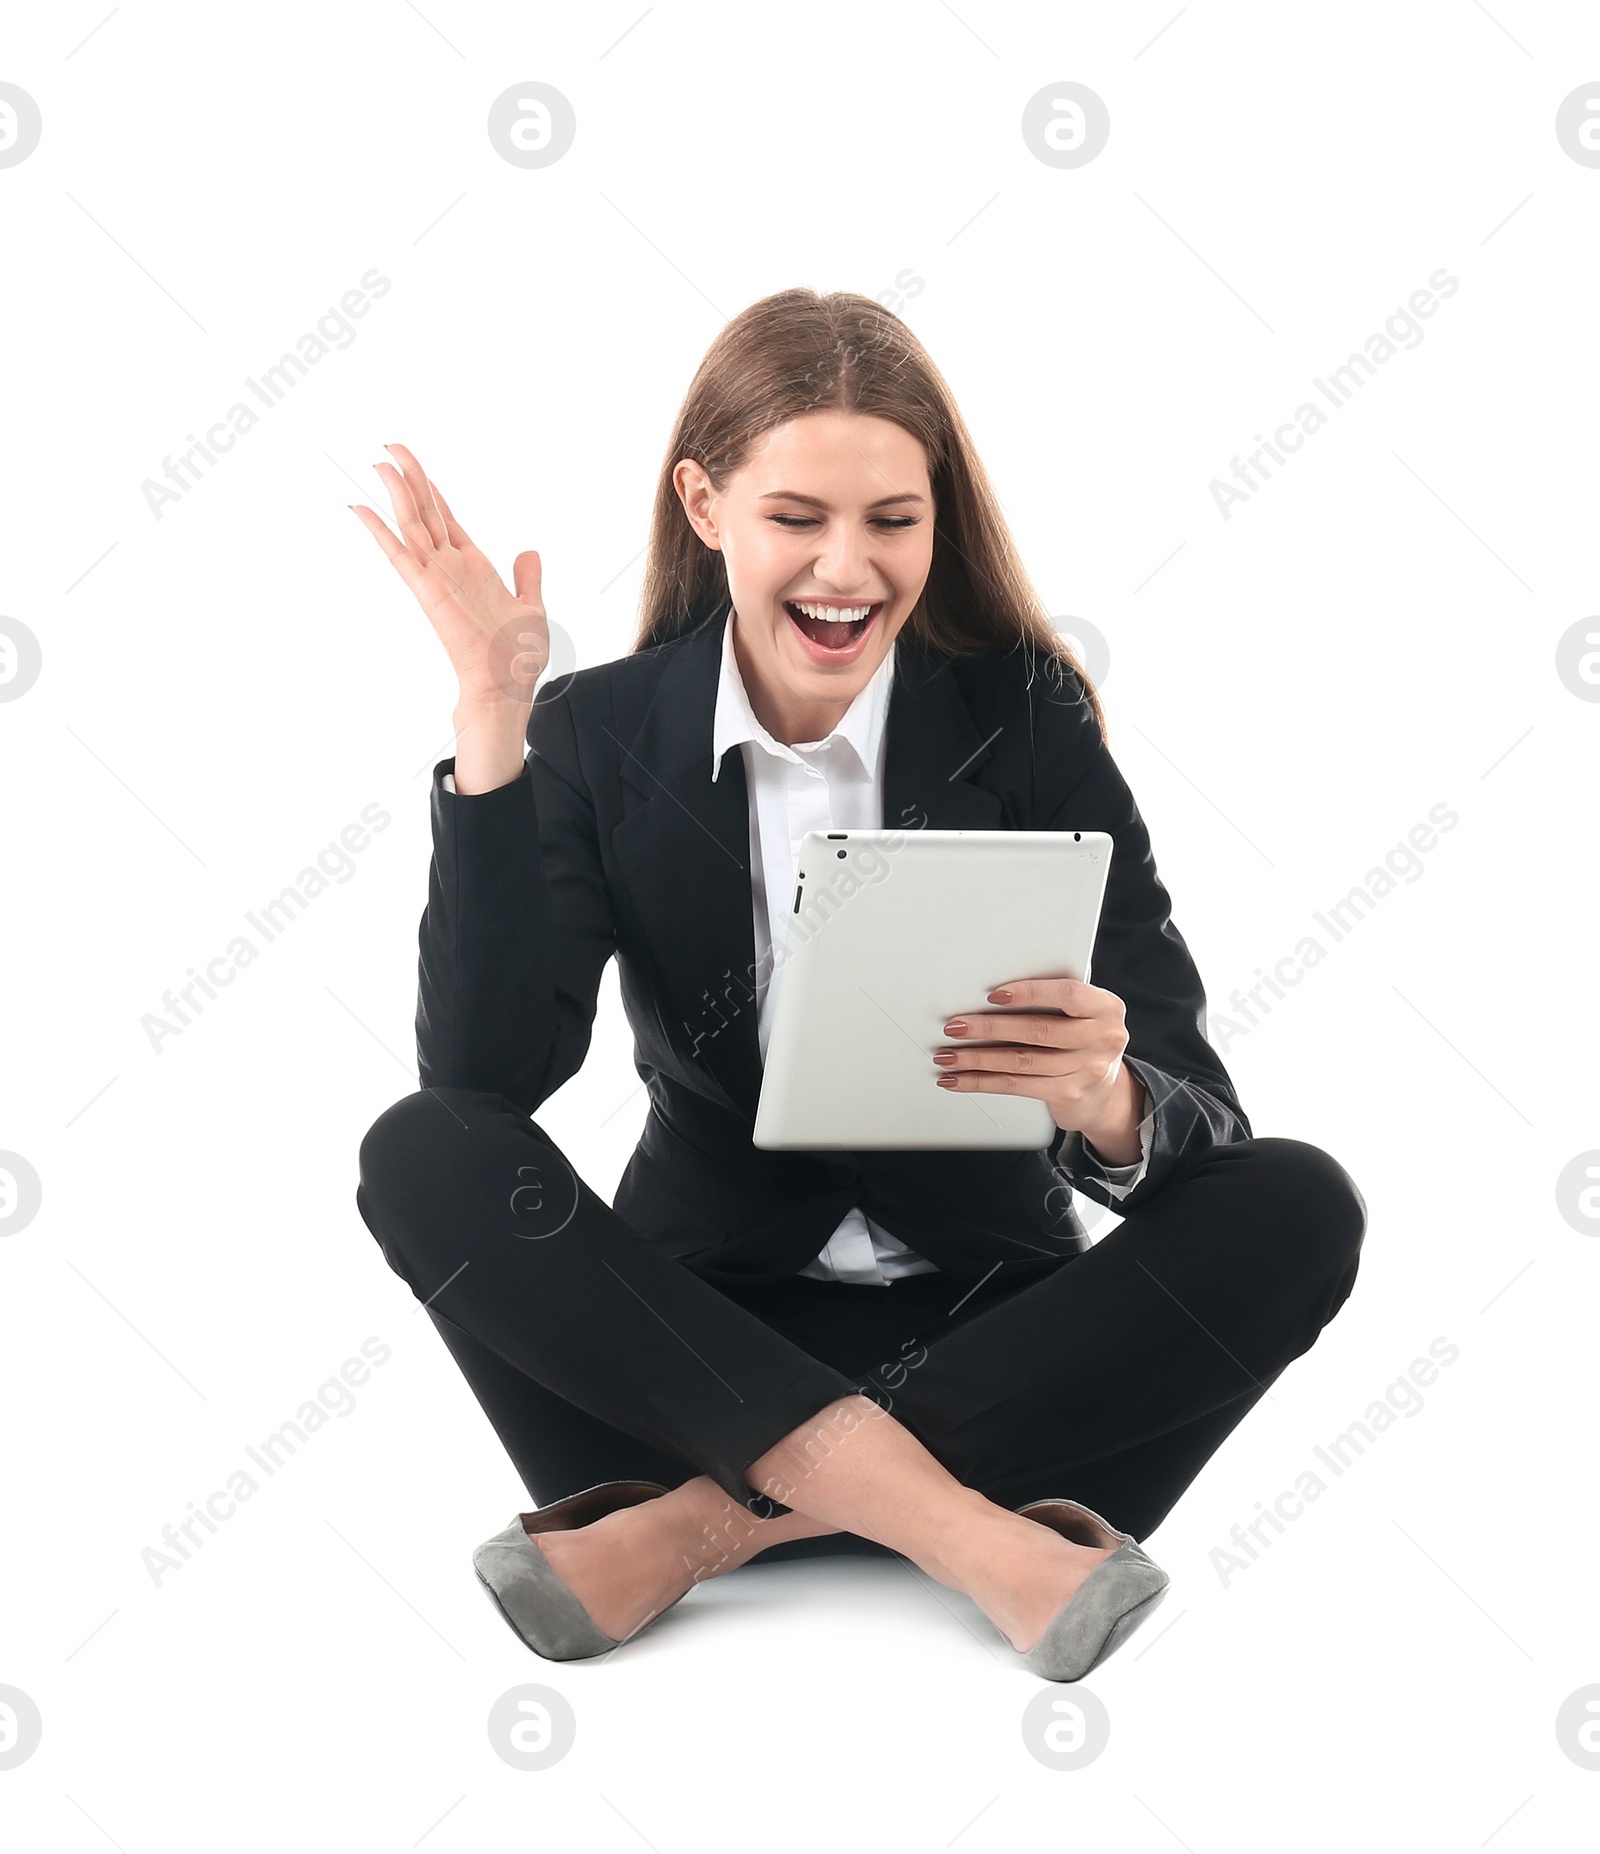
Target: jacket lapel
{"type": "Point", "coordinates": [934, 752]}
{"type": "Point", "coordinates": [683, 845]}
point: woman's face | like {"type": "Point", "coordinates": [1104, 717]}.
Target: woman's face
{"type": "Point", "coordinates": [832, 513]}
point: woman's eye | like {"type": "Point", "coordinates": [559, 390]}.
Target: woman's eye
{"type": "Point", "coordinates": [892, 522]}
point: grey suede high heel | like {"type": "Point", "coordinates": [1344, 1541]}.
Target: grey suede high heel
{"type": "Point", "coordinates": [1106, 1607]}
{"type": "Point", "coordinates": [542, 1610]}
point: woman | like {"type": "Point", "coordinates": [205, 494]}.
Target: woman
{"type": "Point", "coordinates": [755, 1350]}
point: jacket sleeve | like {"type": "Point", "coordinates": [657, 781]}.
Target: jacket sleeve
{"type": "Point", "coordinates": [518, 926]}
{"type": "Point", "coordinates": [1139, 954]}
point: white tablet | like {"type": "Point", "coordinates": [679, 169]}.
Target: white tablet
{"type": "Point", "coordinates": [892, 933]}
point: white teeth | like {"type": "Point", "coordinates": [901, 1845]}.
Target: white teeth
{"type": "Point", "coordinates": [835, 614]}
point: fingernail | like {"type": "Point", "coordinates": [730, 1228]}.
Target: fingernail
{"type": "Point", "coordinates": [1002, 996]}
{"type": "Point", "coordinates": [944, 1055]}
{"type": "Point", "coordinates": [947, 1081]}
{"type": "Point", "coordinates": [955, 1027]}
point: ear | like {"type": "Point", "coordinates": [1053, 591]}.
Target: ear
{"type": "Point", "coordinates": [695, 492]}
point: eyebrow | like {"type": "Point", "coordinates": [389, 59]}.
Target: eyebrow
{"type": "Point", "coordinates": [816, 502]}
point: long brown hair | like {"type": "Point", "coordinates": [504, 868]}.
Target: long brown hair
{"type": "Point", "coordinates": [797, 352]}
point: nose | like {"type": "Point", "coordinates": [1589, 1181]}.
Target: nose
{"type": "Point", "coordinates": [843, 569]}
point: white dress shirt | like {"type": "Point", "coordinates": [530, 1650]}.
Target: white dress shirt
{"type": "Point", "coordinates": [830, 784]}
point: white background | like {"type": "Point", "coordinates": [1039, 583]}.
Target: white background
{"type": "Point", "coordinates": [1372, 634]}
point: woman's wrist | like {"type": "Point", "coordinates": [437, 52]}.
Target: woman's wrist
{"type": "Point", "coordinates": [1116, 1140]}
{"type": "Point", "coordinates": [489, 743]}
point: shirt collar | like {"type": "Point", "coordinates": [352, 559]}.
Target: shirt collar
{"type": "Point", "coordinates": [735, 721]}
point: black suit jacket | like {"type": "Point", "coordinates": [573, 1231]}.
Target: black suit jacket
{"type": "Point", "coordinates": [614, 840]}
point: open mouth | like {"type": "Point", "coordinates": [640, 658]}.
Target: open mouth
{"type": "Point", "coordinates": [834, 630]}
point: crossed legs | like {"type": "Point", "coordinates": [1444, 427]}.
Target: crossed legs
{"type": "Point", "coordinates": [1112, 1379]}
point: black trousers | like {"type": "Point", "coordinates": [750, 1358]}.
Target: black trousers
{"type": "Point", "coordinates": [1111, 1377]}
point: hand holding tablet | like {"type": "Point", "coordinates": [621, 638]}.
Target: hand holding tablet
{"type": "Point", "coordinates": [1063, 1044]}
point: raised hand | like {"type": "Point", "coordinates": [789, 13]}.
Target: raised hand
{"type": "Point", "coordinates": [498, 642]}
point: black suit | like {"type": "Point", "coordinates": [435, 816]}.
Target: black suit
{"type": "Point", "coordinates": [616, 840]}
